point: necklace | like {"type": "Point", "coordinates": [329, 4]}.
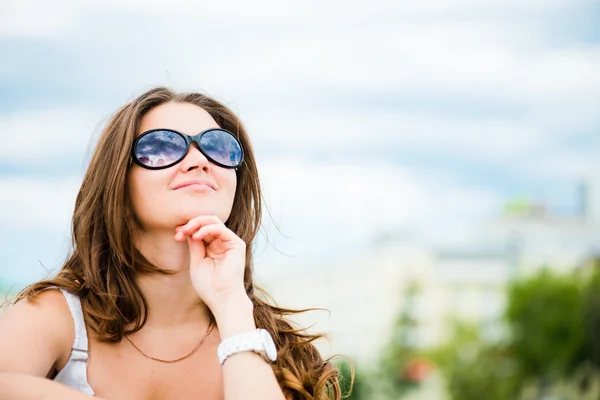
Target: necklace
{"type": "Point", "coordinates": [208, 331]}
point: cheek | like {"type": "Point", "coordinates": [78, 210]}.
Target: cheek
{"type": "Point", "coordinates": [230, 182]}
{"type": "Point", "coordinates": [136, 196]}
{"type": "Point", "coordinates": [142, 195]}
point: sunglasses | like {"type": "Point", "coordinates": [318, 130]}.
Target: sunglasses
{"type": "Point", "coordinates": [162, 148]}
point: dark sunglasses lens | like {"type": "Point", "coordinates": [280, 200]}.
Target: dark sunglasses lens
{"type": "Point", "coordinates": [160, 148]}
{"type": "Point", "coordinates": [222, 147]}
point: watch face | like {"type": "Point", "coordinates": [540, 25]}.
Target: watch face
{"type": "Point", "coordinates": [269, 345]}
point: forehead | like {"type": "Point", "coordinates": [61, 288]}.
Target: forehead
{"type": "Point", "coordinates": [183, 117]}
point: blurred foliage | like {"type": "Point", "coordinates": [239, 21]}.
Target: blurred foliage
{"type": "Point", "coordinates": [523, 207]}
{"type": "Point", "coordinates": [549, 346]}
{"type": "Point", "coordinates": [401, 351]}
{"type": "Point", "coordinates": [474, 369]}
{"type": "Point", "coordinates": [545, 318]}
{"type": "Point", "coordinates": [591, 315]}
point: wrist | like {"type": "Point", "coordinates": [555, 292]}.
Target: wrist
{"type": "Point", "coordinates": [235, 316]}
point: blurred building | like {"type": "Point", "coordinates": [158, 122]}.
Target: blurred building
{"type": "Point", "coordinates": [534, 238]}
{"type": "Point", "coordinates": [362, 294]}
{"type": "Point", "coordinates": [589, 199]}
{"type": "Point", "coordinates": [367, 292]}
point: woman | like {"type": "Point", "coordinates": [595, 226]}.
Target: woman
{"type": "Point", "coordinates": [162, 257]}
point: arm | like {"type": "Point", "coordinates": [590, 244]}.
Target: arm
{"type": "Point", "coordinates": [35, 339]}
{"type": "Point", "coordinates": [27, 387]}
{"type": "Point", "coordinates": [217, 264]}
{"type": "Point", "coordinates": [245, 375]}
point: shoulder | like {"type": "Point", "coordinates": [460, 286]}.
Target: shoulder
{"type": "Point", "coordinates": [48, 305]}
{"type": "Point", "coordinates": [43, 323]}
{"type": "Point", "coordinates": [47, 309]}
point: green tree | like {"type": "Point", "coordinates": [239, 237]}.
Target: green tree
{"type": "Point", "coordinates": [544, 315]}
{"type": "Point", "coordinates": [591, 315]}
{"type": "Point", "coordinates": [474, 369]}
{"type": "Point", "coordinates": [401, 349]}
{"type": "Point", "coordinates": [590, 354]}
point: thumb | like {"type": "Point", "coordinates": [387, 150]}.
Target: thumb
{"type": "Point", "coordinates": [197, 251]}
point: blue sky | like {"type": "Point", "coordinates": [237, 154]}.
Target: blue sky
{"type": "Point", "coordinates": [370, 117]}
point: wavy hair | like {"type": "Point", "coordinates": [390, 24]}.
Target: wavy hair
{"type": "Point", "coordinates": [104, 261]}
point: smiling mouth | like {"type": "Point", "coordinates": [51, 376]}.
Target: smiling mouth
{"type": "Point", "coordinates": [197, 186]}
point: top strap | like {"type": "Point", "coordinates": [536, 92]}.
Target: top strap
{"type": "Point", "coordinates": [80, 344]}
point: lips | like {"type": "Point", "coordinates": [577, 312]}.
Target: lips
{"type": "Point", "coordinates": [196, 182]}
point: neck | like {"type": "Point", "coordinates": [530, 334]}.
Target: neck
{"type": "Point", "coordinates": [172, 299]}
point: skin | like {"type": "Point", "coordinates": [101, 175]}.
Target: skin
{"type": "Point", "coordinates": [180, 230]}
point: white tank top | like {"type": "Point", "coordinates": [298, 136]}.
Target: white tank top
{"type": "Point", "coordinates": [74, 373]}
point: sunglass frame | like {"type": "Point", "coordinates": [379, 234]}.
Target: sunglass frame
{"type": "Point", "coordinates": [188, 140]}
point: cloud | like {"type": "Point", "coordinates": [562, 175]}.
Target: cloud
{"type": "Point", "coordinates": [39, 205]}
{"type": "Point", "coordinates": [267, 49]}
{"type": "Point", "coordinates": [36, 18]}
{"type": "Point", "coordinates": [46, 136]}
{"type": "Point", "coordinates": [323, 206]}
{"type": "Point", "coordinates": [269, 45]}
{"type": "Point", "coordinates": [371, 55]}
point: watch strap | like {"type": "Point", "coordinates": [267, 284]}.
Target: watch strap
{"type": "Point", "coordinates": [250, 341]}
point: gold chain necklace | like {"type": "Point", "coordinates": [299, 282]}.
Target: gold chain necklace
{"type": "Point", "coordinates": [208, 331]}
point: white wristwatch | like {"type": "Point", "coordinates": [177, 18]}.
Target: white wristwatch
{"type": "Point", "coordinates": [258, 341]}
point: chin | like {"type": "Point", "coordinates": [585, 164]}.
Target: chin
{"type": "Point", "coordinates": [185, 215]}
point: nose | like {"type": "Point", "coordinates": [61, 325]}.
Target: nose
{"type": "Point", "coordinates": [194, 159]}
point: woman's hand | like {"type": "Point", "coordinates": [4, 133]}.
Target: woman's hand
{"type": "Point", "coordinates": [217, 262]}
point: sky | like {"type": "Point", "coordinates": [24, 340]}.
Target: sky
{"type": "Point", "coordinates": [366, 117]}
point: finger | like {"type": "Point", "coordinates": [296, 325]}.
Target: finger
{"type": "Point", "coordinates": [217, 232]}
{"type": "Point", "coordinates": [208, 239]}
{"type": "Point", "coordinates": [180, 236]}
{"type": "Point", "coordinates": [195, 224]}
{"type": "Point", "coordinates": [201, 220]}
{"type": "Point", "coordinates": [197, 250]}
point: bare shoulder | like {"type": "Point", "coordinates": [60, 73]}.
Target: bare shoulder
{"type": "Point", "coordinates": [48, 305]}
{"type": "Point", "coordinates": [36, 334]}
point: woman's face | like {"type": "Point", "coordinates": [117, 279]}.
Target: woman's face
{"type": "Point", "coordinates": [156, 200]}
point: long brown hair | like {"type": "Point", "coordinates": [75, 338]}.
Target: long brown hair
{"type": "Point", "coordinates": [104, 260]}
